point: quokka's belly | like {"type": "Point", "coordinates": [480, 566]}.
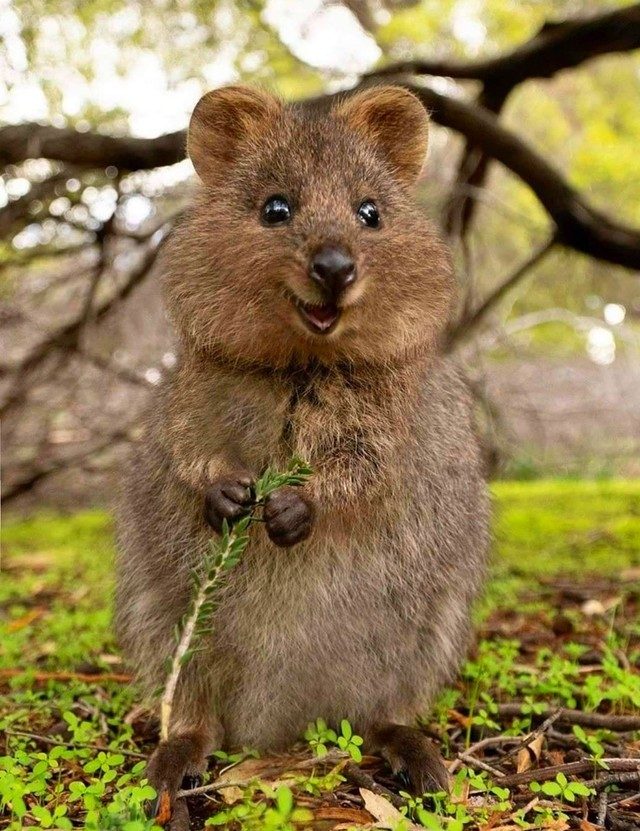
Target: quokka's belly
{"type": "Point", "coordinates": [321, 638]}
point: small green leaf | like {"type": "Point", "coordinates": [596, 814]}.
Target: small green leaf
{"type": "Point", "coordinates": [284, 800]}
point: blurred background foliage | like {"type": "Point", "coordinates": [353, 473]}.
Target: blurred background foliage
{"type": "Point", "coordinates": [555, 363]}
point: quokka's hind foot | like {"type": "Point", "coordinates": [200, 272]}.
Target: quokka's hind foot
{"type": "Point", "coordinates": [411, 756]}
{"type": "Point", "coordinates": [175, 764]}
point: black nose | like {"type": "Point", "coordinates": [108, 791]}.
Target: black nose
{"type": "Point", "coordinates": [333, 268]}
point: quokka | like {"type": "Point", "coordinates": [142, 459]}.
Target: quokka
{"type": "Point", "coordinates": [308, 292]}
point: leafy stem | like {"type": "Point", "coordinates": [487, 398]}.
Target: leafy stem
{"type": "Point", "coordinates": [221, 556]}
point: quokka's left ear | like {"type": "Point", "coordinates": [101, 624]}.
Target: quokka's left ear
{"type": "Point", "coordinates": [222, 124]}
{"type": "Point", "coordinates": [394, 120]}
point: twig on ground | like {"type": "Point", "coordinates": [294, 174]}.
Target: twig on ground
{"type": "Point", "coordinates": [569, 769]}
{"type": "Point", "coordinates": [491, 741]}
{"type": "Point", "coordinates": [90, 678]}
{"type": "Point", "coordinates": [597, 720]}
{"type": "Point", "coordinates": [602, 808]}
{"type": "Point", "coordinates": [73, 745]}
{"type": "Point", "coordinates": [623, 778]}
{"type": "Point", "coordinates": [358, 777]}
{"type": "Point", "coordinates": [472, 762]}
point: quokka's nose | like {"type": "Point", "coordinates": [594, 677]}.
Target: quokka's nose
{"type": "Point", "coordinates": [333, 268]}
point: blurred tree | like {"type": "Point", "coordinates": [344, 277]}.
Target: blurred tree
{"type": "Point", "coordinates": [96, 94]}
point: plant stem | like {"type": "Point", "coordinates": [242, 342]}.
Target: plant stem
{"type": "Point", "coordinates": [221, 556]}
{"type": "Point", "coordinates": [188, 630]}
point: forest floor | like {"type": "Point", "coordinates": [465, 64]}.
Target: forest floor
{"type": "Point", "coordinates": [542, 728]}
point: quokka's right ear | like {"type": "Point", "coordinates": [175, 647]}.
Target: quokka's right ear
{"type": "Point", "coordinates": [223, 121]}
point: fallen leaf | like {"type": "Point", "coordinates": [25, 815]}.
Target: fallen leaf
{"type": "Point", "coordinates": [231, 794]}
{"type": "Point", "coordinates": [386, 815]}
{"type": "Point", "coordinates": [463, 721]}
{"type": "Point", "coordinates": [530, 754]}
{"type": "Point", "coordinates": [243, 773]}
{"type": "Point", "coordinates": [591, 608]}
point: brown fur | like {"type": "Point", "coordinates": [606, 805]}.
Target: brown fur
{"type": "Point", "coordinates": [369, 616]}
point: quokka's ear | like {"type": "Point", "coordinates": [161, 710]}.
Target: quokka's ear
{"type": "Point", "coordinates": [395, 120]}
{"type": "Point", "coordinates": [222, 122]}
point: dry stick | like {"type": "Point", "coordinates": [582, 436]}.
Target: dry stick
{"type": "Point", "coordinates": [569, 769]}
{"type": "Point", "coordinates": [491, 741]}
{"type": "Point", "coordinates": [625, 801]}
{"type": "Point", "coordinates": [357, 776]}
{"type": "Point", "coordinates": [73, 745]}
{"type": "Point", "coordinates": [602, 808]}
{"type": "Point", "coordinates": [597, 720]}
{"type": "Point", "coordinates": [470, 321]}
{"type": "Point", "coordinates": [478, 763]}
{"type": "Point", "coordinates": [90, 678]}
{"type": "Point", "coordinates": [530, 805]}
{"type": "Point", "coordinates": [614, 779]}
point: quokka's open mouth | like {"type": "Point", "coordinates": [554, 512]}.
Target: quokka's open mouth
{"type": "Point", "coordinates": [320, 319]}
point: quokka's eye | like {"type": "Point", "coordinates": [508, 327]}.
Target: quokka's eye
{"type": "Point", "coordinates": [368, 214]}
{"type": "Point", "coordinates": [276, 211]}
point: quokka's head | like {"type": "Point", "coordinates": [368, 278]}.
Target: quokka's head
{"type": "Point", "coordinates": [305, 239]}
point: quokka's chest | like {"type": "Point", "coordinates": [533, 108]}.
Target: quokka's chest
{"type": "Point", "coordinates": [318, 417]}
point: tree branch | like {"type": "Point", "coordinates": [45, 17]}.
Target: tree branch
{"type": "Point", "coordinates": [89, 150]}
{"type": "Point", "coordinates": [579, 226]}
{"type": "Point", "coordinates": [470, 320]}
{"type": "Point", "coordinates": [66, 337]}
{"type": "Point", "coordinates": [557, 46]}
{"type": "Point", "coordinates": [37, 474]}
{"type": "Point", "coordinates": [16, 209]}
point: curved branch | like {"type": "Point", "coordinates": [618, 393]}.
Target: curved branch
{"type": "Point", "coordinates": [37, 474]}
{"type": "Point", "coordinates": [471, 319]}
{"type": "Point", "coordinates": [579, 226]}
{"type": "Point", "coordinates": [66, 337]}
{"type": "Point", "coordinates": [557, 46]}
{"type": "Point", "coordinates": [90, 150]}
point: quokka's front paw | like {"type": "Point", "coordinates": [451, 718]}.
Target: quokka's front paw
{"type": "Point", "coordinates": [288, 516]}
{"type": "Point", "coordinates": [228, 498]}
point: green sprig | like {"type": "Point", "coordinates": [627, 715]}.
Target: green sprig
{"type": "Point", "coordinates": [221, 556]}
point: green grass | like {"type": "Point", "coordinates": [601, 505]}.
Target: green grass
{"type": "Point", "coordinates": [55, 613]}
{"type": "Point", "coordinates": [565, 526]}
